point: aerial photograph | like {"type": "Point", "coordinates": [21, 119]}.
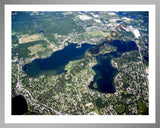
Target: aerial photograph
{"type": "Point", "coordinates": [80, 63]}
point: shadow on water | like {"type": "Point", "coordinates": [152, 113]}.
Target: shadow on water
{"type": "Point", "coordinates": [19, 105]}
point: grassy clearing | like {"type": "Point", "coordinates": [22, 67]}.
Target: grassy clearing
{"type": "Point", "coordinates": [98, 34]}
{"type": "Point", "coordinates": [119, 108]}
{"type": "Point", "coordinates": [29, 38]}
{"type": "Point", "coordinates": [142, 108]}
{"type": "Point", "coordinates": [36, 48]}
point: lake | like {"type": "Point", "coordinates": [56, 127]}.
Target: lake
{"type": "Point", "coordinates": [57, 61]}
{"type": "Point", "coordinates": [104, 71]}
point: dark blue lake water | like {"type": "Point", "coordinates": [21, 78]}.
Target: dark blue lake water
{"type": "Point", "coordinates": [104, 71]}
{"type": "Point", "coordinates": [57, 61]}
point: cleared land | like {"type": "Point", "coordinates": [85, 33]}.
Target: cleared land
{"type": "Point", "coordinates": [36, 48]}
{"type": "Point", "coordinates": [29, 38]}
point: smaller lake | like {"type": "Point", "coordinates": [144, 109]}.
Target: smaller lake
{"type": "Point", "coordinates": [105, 73]}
